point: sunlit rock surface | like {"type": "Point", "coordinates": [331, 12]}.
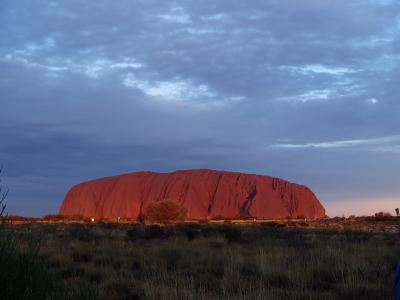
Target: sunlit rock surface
{"type": "Point", "coordinates": [204, 193]}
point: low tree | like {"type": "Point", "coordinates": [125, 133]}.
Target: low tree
{"type": "Point", "coordinates": [397, 212]}
{"type": "Point", "coordinates": [165, 212]}
{"type": "Point", "coordinates": [383, 216]}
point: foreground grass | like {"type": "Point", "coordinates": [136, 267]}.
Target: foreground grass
{"type": "Point", "coordinates": [111, 261]}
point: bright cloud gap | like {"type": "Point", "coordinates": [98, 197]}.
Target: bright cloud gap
{"type": "Point", "coordinates": [381, 144]}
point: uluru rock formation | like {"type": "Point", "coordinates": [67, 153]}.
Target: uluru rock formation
{"type": "Point", "coordinates": [204, 193]}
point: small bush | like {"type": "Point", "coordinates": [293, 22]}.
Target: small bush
{"type": "Point", "coordinates": [383, 216]}
{"type": "Point", "coordinates": [232, 233]}
{"type": "Point", "coordinates": [82, 255]}
{"type": "Point", "coordinates": [192, 234]}
{"type": "Point", "coordinates": [153, 232]}
{"type": "Point", "coordinates": [135, 233]}
{"type": "Point", "coordinates": [82, 232]}
{"type": "Point", "coordinates": [165, 212]}
{"type": "Point", "coordinates": [273, 224]}
{"type": "Point", "coordinates": [171, 258]}
{"type": "Point", "coordinates": [191, 230]}
{"type": "Point", "coordinates": [124, 290]}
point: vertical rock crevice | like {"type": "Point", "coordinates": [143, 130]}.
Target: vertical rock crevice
{"type": "Point", "coordinates": [244, 210]}
{"type": "Point", "coordinates": [274, 183]}
{"type": "Point", "coordinates": [213, 195]}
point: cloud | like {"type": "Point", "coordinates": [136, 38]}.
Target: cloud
{"type": "Point", "coordinates": [175, 90]}
{"type": "Point", "coordinates": [381, 144]}
{"type": "Point", "coordinates": [372, 100]}
{"type": "Point", "coordinates": [318, 69]}
{"type": "Point", "coordinates": [306, 92]}
{"type": "Point", "coordinates": [177, 14]}
{"type": "Point", "coordinates": [91, 67]}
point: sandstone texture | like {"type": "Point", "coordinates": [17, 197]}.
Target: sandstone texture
{"type": "Point", "coordinates": [206, 194]}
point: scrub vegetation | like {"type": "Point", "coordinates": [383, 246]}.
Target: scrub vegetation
{"type": "Point", "coordinates": [198, 261]}
{"type": "Point", "coordinates": [23, 273]}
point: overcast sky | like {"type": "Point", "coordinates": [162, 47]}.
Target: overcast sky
{"type": "Point", "coordinates": [303, 90]}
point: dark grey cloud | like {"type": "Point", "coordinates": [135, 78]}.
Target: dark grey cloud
{"type": "Point", "coordinates": [306, 91]}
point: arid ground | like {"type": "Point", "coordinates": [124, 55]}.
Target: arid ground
{"type": "Point", "coordinates": [333, 259]}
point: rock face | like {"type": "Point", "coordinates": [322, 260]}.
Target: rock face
{"type": "Point", "coordinates": [204, 193]}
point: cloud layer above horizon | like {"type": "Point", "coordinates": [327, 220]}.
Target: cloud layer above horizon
{"type": "Point", "coordinates": [307, 92]}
